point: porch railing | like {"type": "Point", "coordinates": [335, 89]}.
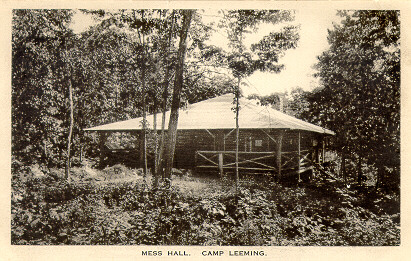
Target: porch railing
{"type": "Point", "coordinates": [260, 162]}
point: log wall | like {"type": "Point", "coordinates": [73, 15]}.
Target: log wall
{"type": "Point", "coordinates": [251, 140]}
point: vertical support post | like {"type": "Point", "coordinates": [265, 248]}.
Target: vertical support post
{"type": "Point", "coordinates": [224, 137]}
{"type": "Point", "coordinates": [299, 156]}
{"type": "Point", "coordinates": [323, 151]}
{"type": "Point", "coordinates": [220, 163]}
{"type": "Point", "coordinates": [141, 139]}
{"type": "Point", "coordinates": [195, 161]}
{"type": "Point", "coordinates": [317, 153]}
{"type": "Point", "coordinates": [103, 137]}
{"type": "Point", "coordinates": [214, 138]}
{"type": "Point", "coordinates": [251, 144]}
{"type": "Point", "coordinates": [137, 148]}
{"type": "Point", "coordinates": [279, 152]}
{"type": "Point", "coordinates": [220, 140]}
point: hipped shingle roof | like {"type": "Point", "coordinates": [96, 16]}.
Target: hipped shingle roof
{"type": "Point", "coordinates": [218, 113]}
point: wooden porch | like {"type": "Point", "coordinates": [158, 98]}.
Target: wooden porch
{"type": "Point", "coordinates": [288, 163]}
{"type": "Point", "coordinates": [281, 153]}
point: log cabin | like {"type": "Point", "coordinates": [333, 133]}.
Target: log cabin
{"type": "Point", "coordinates": [270, 141]}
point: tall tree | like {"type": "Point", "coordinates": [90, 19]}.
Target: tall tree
{"type": "Point", "coordinates": [140, 30]}
{"type": "Point", "coordinates": [165, 52]}
{"type": "Point", "coordinates": [111, 79]}
{"type": "Point", "coordinates": [262, 56]}
{"type": "Point", "coordinates": [359, 96]}
{"type": "Point", "coordinates": [178, 84]}
{"type": "Point", "coordinates": [71, 54]}
{"type": "Point", "coordinates": [71, 119]}
{"type": "Point", "coordinates": [38, 90]}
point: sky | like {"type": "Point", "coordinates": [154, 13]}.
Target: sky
{"type": "Point", "coordinates": [298, 62]}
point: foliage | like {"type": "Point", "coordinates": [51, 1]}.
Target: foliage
{"type": "Point", "coordinates": [104, 64]}
{"type": "Point", "coordinates": [38, 89]}
{"type": "Point", "coordinates": [48, 210]}
{"type": "Point", "coordinates": [263, 55]}
{"type": "Point", "coordinates": [360, 93]}
{"type": "Point", "coordinates": [297, 104]}
{"type": "Point", "coordinates": [272, 99]}
{"type": "Point", "coordinates": [294, 103]}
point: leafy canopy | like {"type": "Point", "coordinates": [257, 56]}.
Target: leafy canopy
{"type": "Point", "coordinates": [359, 97]}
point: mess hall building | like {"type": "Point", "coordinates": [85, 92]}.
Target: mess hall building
{"type": "Point", "coordinates": [270, 141]}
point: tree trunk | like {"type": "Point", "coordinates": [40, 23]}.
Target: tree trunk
{"type": "Point", "coordinates": [143, 83]}
{"type": "Point", "coordinates": [68, 161]}
{"type": "Point", "coordinates": [143, 94]}
{"type": "Point", "coordinates": [279, 154]}
{"type": "Point", "coordinates": [237, 134]}
{"type": "Point", "coordinates": [178, 85]}
{"type": "Point", "coordinates": [80, 123]}
{"type": "Point", "coordinates": [160, 161]}
{"type": "Point", "coordinates": [162, 135]}
{"type": "Point", "coordinates": [360, 174]}
{"type": "Point", "coordinates": [155, 172]}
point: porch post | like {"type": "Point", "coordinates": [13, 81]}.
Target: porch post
{"type": "Point", "coordinates": [279, 151]}
{"type": "Point", "coordinates": [102, 141]}
{"type": "Point", "coordinates": [323, 151]}
{"type": "Point", "coordinates": [196, 162]}
{"type": "Point", "coordinates": [214, 137]}
{"type": "Point", "coordinates": [142, 151]}
{"type": "Point", "coordinates": [317, 152]}
{"type": "Point", "coordinates": [225, 136]}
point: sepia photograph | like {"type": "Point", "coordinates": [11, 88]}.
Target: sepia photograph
{"type": "Point", "coordinates": [205, 127]}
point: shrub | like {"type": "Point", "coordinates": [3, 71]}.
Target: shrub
{"type": "Point", "coordinates": [49, 210]}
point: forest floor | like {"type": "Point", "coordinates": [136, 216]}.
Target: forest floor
{"type": "Point", "coordinates": [118, 206]}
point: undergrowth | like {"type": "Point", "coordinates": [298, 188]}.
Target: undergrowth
{"type": "Point", "coordinates": [49, 210]}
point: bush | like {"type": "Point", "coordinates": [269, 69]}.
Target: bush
{"type": "Point", "coordinates": [49, 210]}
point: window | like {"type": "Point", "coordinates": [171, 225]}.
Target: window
{"type": "Point", "coordinates": [258, 143]}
